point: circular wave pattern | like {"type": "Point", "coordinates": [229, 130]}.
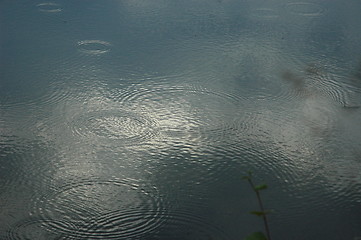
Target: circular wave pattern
{"type": "Point", "coordinates": [42, 229]}
{"type": "Point", "coordinates": [342, 178]}
{"type": "Point", "coordinates": [114, 126]}
{"type": "Point", "coordinates": [332, 86]}
{"type": "Point", "coordinates": [181, 93]}
{"type": "Point", "coordinates": [265, 13]}
{"type": "Point", "coordinates": [310, 177]}
{"type": "Point", "coordinates": [189, 61]}
{"type": "Point", "coordinates": [94, 47]}
{"type": "Point", "coordinates": [123, 225]}
{"type": "Point", "coordinates": [186, 225]}
{"type": "Point", "coordinates": [104, 209]}
{"type": "Point", "coordinates": [17, 168]}
{"type": "Point", "coordinates": [54, 93]}
{"type": "Point", "coordinates": [295, 87]}
{"type": "Point", "coordinates": [186, 112]}
{"type": "Point", "coordinates": [49, 7]}
{"type": "Point", "coordinates": [315, 183]}
{"type": "Point", "coordinates": [305, 9]}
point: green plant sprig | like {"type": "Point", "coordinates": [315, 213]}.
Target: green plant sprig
{"type": "Point", "coordinates": [262, 213]}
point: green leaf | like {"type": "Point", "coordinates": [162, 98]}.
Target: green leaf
{"type": "Point", "coordinates": [261, 213]}
{"type": "Point", "coordinates": [260, 187]}
{"type": "Point", "coordinates": [258, 213]}
{"type": "Point", "coordinates": [246, 177]}
{"type": "Point", "coordinates": [256, 236]}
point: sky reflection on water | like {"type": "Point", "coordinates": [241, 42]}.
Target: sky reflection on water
{"type": "Point", "coordinates": [137, 119]}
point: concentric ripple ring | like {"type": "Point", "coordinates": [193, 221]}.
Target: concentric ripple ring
{"type": "Point", "coordinates": [41, 229]}
{"type": "Point", "coordinates": [305, 9]}
{"type": "Point", "coordinates": [49, 7]}
{"type": "Point", "coordinates": [94, 47]}
{"type": "Point", "coordinates": [104, 208]}
{"type": "Point", "coordinates": [113, 126]}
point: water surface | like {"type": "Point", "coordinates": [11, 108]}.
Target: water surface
{"type": "Point", "coordinates": [136, 119]}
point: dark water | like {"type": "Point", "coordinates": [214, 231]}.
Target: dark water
{"type": "Point", "coordinates": [136, 119]}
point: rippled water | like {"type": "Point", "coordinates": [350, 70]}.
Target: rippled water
{"type": "Point", "coordinates": [136, 119]}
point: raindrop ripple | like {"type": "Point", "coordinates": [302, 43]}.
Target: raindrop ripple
{"type": "Point", "coordinates": [41, 229]}
{"type": "Point", "coordinates": [49, 7]}
{"type": "Point", "coordinates": [105, 126]}
{"type": "Point", "coordinates": [185, 112]}
{"type": "Point", "coordinates": [94, 47]}
{"type": "Point", "coordinates": [105, 209]}
{"type": "Point", "coordinates": [305, 9]}
{"type": "Point", "coordinates": [186, 225]}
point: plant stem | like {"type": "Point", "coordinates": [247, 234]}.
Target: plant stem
{"type": "Point", "coordinates": [262, 209]}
